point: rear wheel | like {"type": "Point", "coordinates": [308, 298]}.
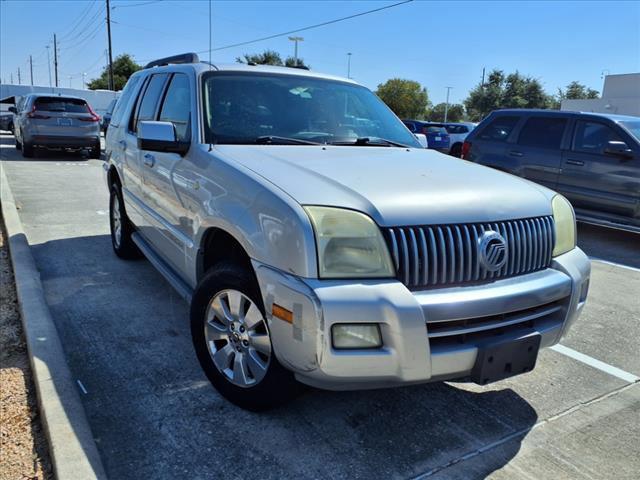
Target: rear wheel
{"type": "Point", "coordinates": [27, 150]}
{"type": "Point", "coordinates": [121, 227]}
{"type": "Point", "coordinates": [18, 144]}
{"type": "Point", "coordinates": [456, 150]}
{"type": "Point", "coordinates": [232, 341]}
{"type": "Point", "coordinates": [95, 151]}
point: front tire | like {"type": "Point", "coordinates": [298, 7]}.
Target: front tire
{"type": "Point", "coordinates": [232, 341]}
{"type": "Point", "coordinates": [18, 144]}
{"type": "Point", "coordinates": [121, 227]}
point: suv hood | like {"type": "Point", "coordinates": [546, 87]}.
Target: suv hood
{"type": "Point", "coordinates": [395, 186]}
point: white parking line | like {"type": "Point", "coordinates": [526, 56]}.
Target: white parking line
{"type": "Point", "coordinates": [620, 265]}
{"type": "Point", "coordinates": [592, 362]}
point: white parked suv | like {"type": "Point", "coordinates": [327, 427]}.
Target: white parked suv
{"type": "Point", "coordinates": [318, 243]}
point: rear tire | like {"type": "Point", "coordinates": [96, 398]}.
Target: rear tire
{"type": "Point", "coordinates": [456, 150]}
{"type": "Point", "coordinates": [121, 227]}
{"type": "Point", "coordinates": [27, 150]}
{"type": "Point", "coordinates": [18, 145]}
{"type": "Point", "coordinates": [95, 151]}
{"type": "Point", "coordinates": [228, 323]}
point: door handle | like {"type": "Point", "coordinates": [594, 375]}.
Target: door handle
{"type": "Point", "coordinates": [515, 153]}
{"type": "Point", "coordinates": [149, 160]}
{"type": "Point", "coordinates": [579, 163]}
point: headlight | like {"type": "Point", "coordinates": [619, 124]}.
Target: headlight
{"type": "Point", "coordinates": [565, 224]}
{"type": "Point", "coordinates": [349, 243]}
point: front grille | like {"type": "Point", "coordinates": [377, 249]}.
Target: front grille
{"type": "Point", "coordinates": [444, 255]}
{"type": "Point", "coordinates": [472, 330]}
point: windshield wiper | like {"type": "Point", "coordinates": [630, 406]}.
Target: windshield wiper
{"type": "Point", "coordinates": [372, 141]}
{"type": "Point", "coordinates": [276, 140]}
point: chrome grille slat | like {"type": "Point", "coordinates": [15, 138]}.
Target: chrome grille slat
{"type": "Point", "coordinates": [445, 255]}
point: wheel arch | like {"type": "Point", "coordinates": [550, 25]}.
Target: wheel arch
{"type": "Point", "coordinates": [219, 245]}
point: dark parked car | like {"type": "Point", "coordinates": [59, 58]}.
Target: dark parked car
{"type": "Point", "coordinates": [106, 118]}
{"type": "Point", "coordinates": [593, 159]}
{"type": "Point", "coordinates": [6, 122]}
{"type": "Point", "coordinates": [436, 133]}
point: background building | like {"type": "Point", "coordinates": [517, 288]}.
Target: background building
{"type": "Point", "coordinates": [620, 94]}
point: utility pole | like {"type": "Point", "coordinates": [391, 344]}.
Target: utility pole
{"type": "Point", "coordinates": [55, 57]}
{"type": "Point", "coordinates": [446, 105]}
{"type": "Point", "coordinates": [49, 64]}
{"type": "Point", "coordinates": [84, 83]}
{"type": "Point", "coordinates": [349, 65]}
{"type": "Point", "coordinates": [19, 79]}
{"type": "Point", "coordinates": [111, 86]}
{"type": "Point", "coordinates": [69, 81]}
{"type": "Point", "coordinates": [11, 78]}
{"type": "Point", "coordinates": [31, 68]}
{"type": "Point", "coordinates": [482, 77]}
{"type": "Point", "coordinates": [295, 51]}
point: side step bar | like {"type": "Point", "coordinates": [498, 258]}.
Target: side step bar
{"type": "Point", "coordinates": [167, 272]}
{"type": "Point", "coordinates": [606, 223]}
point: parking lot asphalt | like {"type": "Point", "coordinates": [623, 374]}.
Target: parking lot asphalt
{"type": "Point", "coordinates": [154, 415]}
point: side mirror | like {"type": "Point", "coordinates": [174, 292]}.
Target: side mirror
{"type": "Point", "coordinates": [422, 138]}
{"type": "Point", "coordinates": [160, 137]}
{"type": "Point", "coordinates": [13, 110]}
{"type": "Point", "coordinates": [618, 149]}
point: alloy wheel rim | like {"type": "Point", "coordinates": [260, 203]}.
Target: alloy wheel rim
{"type": "Point", "coordinates": [117, 221]}
{"type": "Point", "coordinates": [237, 338]}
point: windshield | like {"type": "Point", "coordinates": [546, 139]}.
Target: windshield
{"type": "Point", "coordinates": [245, 108]}
{"type": "Point", "coordinates": [633, 127]}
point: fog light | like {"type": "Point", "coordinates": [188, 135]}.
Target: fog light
{"type": "Point", "coordinates": [356, 335]}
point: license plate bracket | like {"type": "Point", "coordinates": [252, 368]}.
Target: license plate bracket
{"type": "Point", "coordinates": [500, 359]}
{"type": "Point", "coordinates": [65, 122]}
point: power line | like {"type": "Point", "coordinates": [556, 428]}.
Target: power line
{"type": "Point", "coordinates": [91, 23]}
{"type": "Point", "coordinates": [79, 21]}
{"type": "Point", "coordinates": [137, 4]}
{"type": "Point", "coordinates": [317, 25]}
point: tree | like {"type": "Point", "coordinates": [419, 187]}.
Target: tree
{"type": "Point", "coordinates": [577, 91]}
{"type": "Point", "coordinates": [454, 114]}
{"type": "Point", "coordinates": [407, 98]}
{"type": "Point", "coordinates": [123, 67]}
{"type": "Point", "coordinates": [511, 91]}
{"type": "Point", "coordinates": [270, 57]}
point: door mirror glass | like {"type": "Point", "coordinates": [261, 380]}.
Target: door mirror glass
{"type": "Point", "coordinates": [618, 149]}
{"type": "Point", "coordinates": [160, 137]}
{"type": "Point", "coordinates": [13, 109]}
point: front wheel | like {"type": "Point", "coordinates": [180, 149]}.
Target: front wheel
{"type": "Point", "coordinates": [27, 149]}
{"type": "Point", "coordinates": [232, 341]}
{"type": "Point", "coordinates": [121, 227]}
{"type": "Point", "coordinates": [18, 144]}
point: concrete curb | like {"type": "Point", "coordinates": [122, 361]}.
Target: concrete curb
{"type": "Point", "coordinates": [71, 444]}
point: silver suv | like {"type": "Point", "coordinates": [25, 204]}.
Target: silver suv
{"type": "Point", "coordinates": [56, 121]}
{"type": "Point", "coordinates": [318, 243]}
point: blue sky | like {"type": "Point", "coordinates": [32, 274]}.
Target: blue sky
{"type": "Point", "coordinates": [439, 44]}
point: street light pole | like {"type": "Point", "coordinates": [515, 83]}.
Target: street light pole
{"type": "Point", "coordinates": [84, 83]}
{"type": "Point", "coordinates": [446, 105]}
{"type": "Point", "coordinates": [49, 64]}
{"type": "Point", "coordinates": [349, 65]}
{"type": "Point", "coordinates": [295, 51]}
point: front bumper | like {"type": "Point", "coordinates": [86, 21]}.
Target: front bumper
{"type": "Point", "coordinates": [427, 335]}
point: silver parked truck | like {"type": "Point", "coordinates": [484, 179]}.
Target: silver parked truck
{"type": "Point", "coordinates": [319, 244]}
{"type": "Point", "coordinates": [55, 122]}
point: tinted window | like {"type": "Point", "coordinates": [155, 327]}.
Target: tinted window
{"type": "Point", "coordinates": [633, 127]}
{"type": "Point", "coordinates": [177, 106]}
{"type": "Point", "coordinates": [410, 126]}
{"type": "Point", "coordinates": [148, 105]}
{"type": "Point", "coordinates": [456, 129]}
{"type": "Point", "coordinates": [499, 129]}
{"type": "Point", "coordinates": [543, 132]}
{"type": "Point", "coordinates": [434, 130]}
{"type": "Point", "coordinates": [122, 102]}
{"type": "Point", "coordinates": [61, 104]}
{"type": "Point", "coordinates": [592, 137]}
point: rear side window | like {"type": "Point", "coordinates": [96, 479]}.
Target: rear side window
{"type": "Point", "coordinates": [498, 129]}
{"type": "Point", "coordinates": [592, 137]}
{"type": "Point", "coordinates": [121, 104]}
{"type": "Point", "coordinates": [176, 107]}
{"type": "Point", "coordinates": [410, 126]}
{"type": "Point", "coordinates": [543, 132]}
{"type": "Point", "coordinates": [147, 107]}
{"type": "Point", "coordinates": [61, 104]}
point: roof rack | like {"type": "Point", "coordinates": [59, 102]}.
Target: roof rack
{"type": "Point", "coordinates": [175, 59]}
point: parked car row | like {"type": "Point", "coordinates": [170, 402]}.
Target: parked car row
{"type": "Point", "coordinates": [592, 159]}
{"type": "Point", "coordinates": [444, 137]}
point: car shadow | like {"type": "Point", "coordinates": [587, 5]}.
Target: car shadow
{"type": "Point", "coordinates": [610, 244]}
{"type": "Point", "coordinates": [9, 153]}
{"type": "Point", "coordinates": [154, 415]}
